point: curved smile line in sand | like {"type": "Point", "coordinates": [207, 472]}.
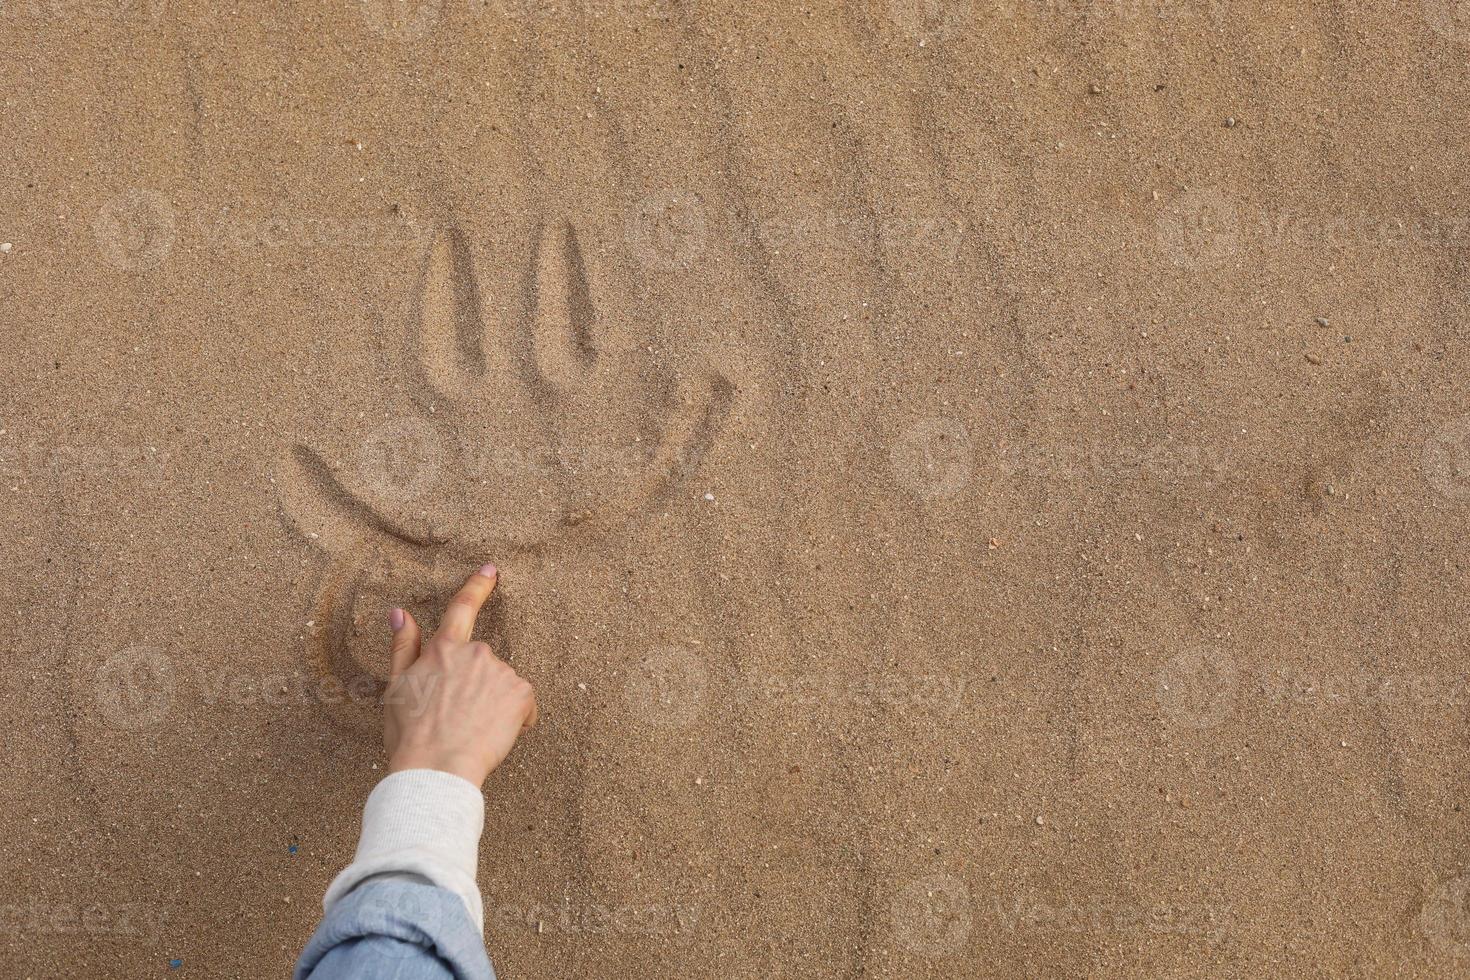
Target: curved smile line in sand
{"type": "Point", "coordinates": [550, 428]}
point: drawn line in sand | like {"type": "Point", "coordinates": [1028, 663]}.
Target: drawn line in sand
{"type": "Point", "coordinates": [564, 438]}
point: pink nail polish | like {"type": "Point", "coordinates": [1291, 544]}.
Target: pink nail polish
{"type": "Point", "coordinates": [489, 571]}
{"type": "Point", "coordinates": [395, 619]}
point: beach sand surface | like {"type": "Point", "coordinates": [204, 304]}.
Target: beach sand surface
{"type": "Point", "coordinates": [980, 489]}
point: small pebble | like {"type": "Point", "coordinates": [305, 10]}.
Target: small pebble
{"type": "Point", "coordinates": [1314, 359]}
{"type": "Point", "coordinates": [709, 497]}
{"type": "Point", "coordinates": [1039, 821]}
{"type": "Point", "coordinates": [1322, 322]}
{"type": "Point", "coordinates": [5, 246]}
{"type": "Point", "coordinates": [1231, 122]}
{"type": "Point", "coordinates": [581, 686]}
{"type": "Point", "coordinates": [1095, 89]}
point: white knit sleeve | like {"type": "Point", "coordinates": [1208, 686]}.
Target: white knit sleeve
{"type": "Point", "coordinates": [420, 824]}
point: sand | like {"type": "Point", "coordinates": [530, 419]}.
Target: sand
{"type": "Point", "coordinates": [981, 489]}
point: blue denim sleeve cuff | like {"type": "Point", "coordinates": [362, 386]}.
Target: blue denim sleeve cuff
{"type": "Point", "coordinates": [424, 824]}
{"type": "Point", "coordinates": [396, 930]}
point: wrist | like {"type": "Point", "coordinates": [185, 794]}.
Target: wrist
{"type": "Point", "coordinates": [454, 764]}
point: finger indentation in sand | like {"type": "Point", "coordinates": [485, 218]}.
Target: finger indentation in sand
{"type": "Point", "coordinates": [451, 338]}
{"type": "Point", "coordinates": [563, 312]}
{"type": "Point", "coordinates": [535, 434]}
{"type": "Point", "coordinates": [319, 504]}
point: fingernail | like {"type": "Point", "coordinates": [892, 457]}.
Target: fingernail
{"type": "Point", "coordinates": [489, 571]}
{"type": "Point", "coordinates": [395, 619]}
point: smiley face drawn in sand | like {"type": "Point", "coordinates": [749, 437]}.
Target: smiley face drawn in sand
{"type": "Point", "coordinates": [541, 431]}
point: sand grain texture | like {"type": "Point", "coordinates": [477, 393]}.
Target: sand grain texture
{"type": "Point", "coordinates": [982, 490]}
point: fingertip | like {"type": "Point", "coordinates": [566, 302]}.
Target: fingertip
{"type": "Point", "coordinates": [396, 619]}
{"type": "Point", "coordinates": [489, 570]}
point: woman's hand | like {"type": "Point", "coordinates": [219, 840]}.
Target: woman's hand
{"type": "Point", "coordinates": [453, 705]}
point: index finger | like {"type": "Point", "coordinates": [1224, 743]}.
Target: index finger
{"type": "Point", "coordinates": [458, 621]}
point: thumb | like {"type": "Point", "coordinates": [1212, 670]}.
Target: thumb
{"type": "Point", "coordinates": [405, 647]}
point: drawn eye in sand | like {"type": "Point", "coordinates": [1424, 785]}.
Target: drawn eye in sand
{"type": "Point", "coordinates": [540, 422]}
